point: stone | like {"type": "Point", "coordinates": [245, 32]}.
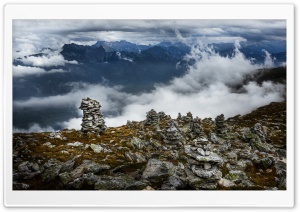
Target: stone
{"type": "Point", "coordinates": [236, 176]}
{"type": "Point", "coordinates": [201, 151]}
{"type": "Point", "coordinates": [52, 169]}
{"type": "Point", "coordinates": [48, 144]}
{"type": "Point", "coordinates": [76, 144]}
{"type": "Point", "coordinates": [92, 120]}
{"type": "Point", "coordinates": [266, 162]}
{"type": "Point", "coordinates": [156, 170]}
{"type": "Point", "coordinates": [226, 183]}
{"type": "Point", "coordinates": [207, 166]}
{"type": "Point", "coordinates": [120, 182]}
{"type": "Point", "coordinates": [214, 138]}
{"type": "Point", "coordinates": [96, 148]}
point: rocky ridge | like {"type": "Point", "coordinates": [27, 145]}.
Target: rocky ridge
{"type": "Point", "coordinates": [239, 153]}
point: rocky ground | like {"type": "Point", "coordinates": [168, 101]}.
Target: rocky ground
{"type": "Point", "coordinates": [239, 153]}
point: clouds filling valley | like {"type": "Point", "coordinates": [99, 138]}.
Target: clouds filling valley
{"type": "Point", "coordinates": [207, 89]}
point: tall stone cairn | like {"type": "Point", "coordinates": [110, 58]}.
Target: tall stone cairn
{"type": "Point", "coordinates": [152, 118]}
{"type": "Point", "coordinates": [92, 120]}
{"type": "Point", "coordinates": [220, 127]}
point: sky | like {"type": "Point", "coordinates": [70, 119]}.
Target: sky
{"type": "Point", "coordinates": [205, 89]}
{"type": "Point", "coordinates": [30, 36]}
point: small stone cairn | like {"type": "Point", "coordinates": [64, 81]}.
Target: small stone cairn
{"type": "Point", "coordinates": [220, 126]}
{"type": "Point", "coordinates": [152, 118]}
{"type": "Point", "coordinates": [258, 130]}
{"type": "Point", "coordinates": [195, 128]}
{"type": "Point", "coordinates": [203, 170]}
{"type": "Point", "coordinates": [92, 120]}
{"type": "Point", "coordinates": [171, 134]}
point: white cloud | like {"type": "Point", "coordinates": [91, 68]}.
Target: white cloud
{"type": "Point", "coordinates": [46, 60]}
{"type": "Point", "coordinates": [21, 71]}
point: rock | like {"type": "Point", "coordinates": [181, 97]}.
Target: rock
{"type": "Point", "coordinates": [211, 174]}
{"type": "Point", "coordinates": [266, 162]}
{"type": "Point", "coordinates": [156, 170]}
{"type": "Point", "coordinates": [135, 157]}
{"type": "Point", "coordinates": [56, 135]}
{"type": "Point", "coordinates": [236, 176]}
{"type": "Point", "coordinates": [92, 120]}
{"type": "Point", "coordinates": [137, 185]}
{"type": "Point", "coordinates": [214, 138]}
{"type": "Point", "coordinates": [52, 169]}
{"type": "Point", "coordinates": [20, 186]}
{"type": "Point", "coordinates": [89, 166]}
{"type": "Point", "coordinates": [67, 166]}
{"type": "Point", "coordinates": [201, 151]}
{"type": "Point", "coordinates": [226, 183]}
{"type": "Point", "coordinates": [207, 166]}
{"type": "Point", "coordinates": [120, 182]}
{"type": "Point", "coordinates": [137, 143]}
{"type": "Point", "coordinates": [77, 143]}
{"type": "Point", "coordinates": [48, 144]}
{"type": "Point", "coordinates": [149, 188]}
{"type": "Point", "coordinates": [96, 148]}
{"type": "Point", "coordinates": [268, 170]}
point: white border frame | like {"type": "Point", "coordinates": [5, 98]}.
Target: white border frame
{"type": "Point", "coordinates": [147, 198]}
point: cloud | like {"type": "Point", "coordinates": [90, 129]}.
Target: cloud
{"type": "Point", "coordinates": [205, 90]}
{"type": "Point", "coordinates": [29, 36]}
{"type": "Point", "coordinates": [21, 71]}
{"type": "Point", "coordinates": [34, 128]}
{"type": "Point", "coordinates": [46, 60]}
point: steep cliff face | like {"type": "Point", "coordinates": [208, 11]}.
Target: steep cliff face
{"type": "Point", "coordinates": [242, 152]}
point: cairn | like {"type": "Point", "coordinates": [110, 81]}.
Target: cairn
{"type": "Point", "coordinates": [220, 126]}
{"type": "Point", "coordinates": [188, 117]}
{"type": "Point", "coordinates": [258, 130]}
{"type": "Point", "coordinates": [203, 169]}
{"type": "Point", "coordinates": [195, 128]}
{"type": "Point", "coordinates": [152, 118]}
{"type": "Point", "coordinates": [92, 120]}
{"type": "Point", "coordinates": [171, 134]}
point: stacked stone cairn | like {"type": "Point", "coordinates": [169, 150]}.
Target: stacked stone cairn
{"type": "Point", "coordinates": [203, 167]}
{"type": "Point", "coordinates": [171, 134]}
{"type": "Point", "coordinates": [220, 126]}
{"type": "Point", "coordinates": [92, 120]}
{"type": "Point", "coordinates": [180, 120]}
{"type": "Point", "coordinates": [188, 117]}
{"type": "Point", "coordinates": [195, 128]}
{"type": "Point", "coordinates": [152, 118]}
{"type": "Point", "coordinates": [258, 130]}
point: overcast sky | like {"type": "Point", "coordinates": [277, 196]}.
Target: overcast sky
{"type": "Point", "coordinates": [29, 36]}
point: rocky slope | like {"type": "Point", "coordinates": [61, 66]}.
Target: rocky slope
{"type": "Point", "coordinates": [239, 153]}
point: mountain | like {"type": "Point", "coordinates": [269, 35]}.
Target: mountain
{"type": "Point", "coordinates": [121, 46]}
